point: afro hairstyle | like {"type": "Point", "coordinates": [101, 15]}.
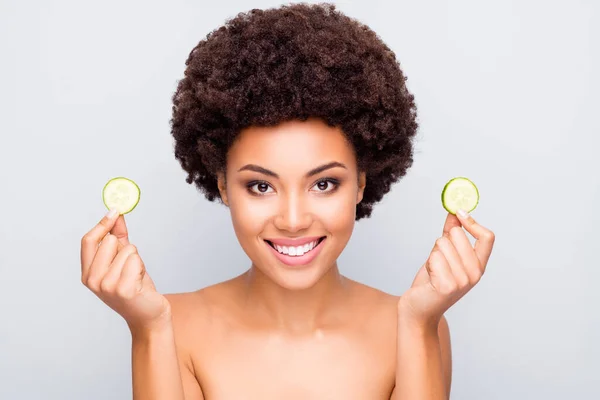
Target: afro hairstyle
{"type": "Point", "coordinates": [298, 61]}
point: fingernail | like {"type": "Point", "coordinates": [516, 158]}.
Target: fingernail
{"type": "Point", "coordinates": [112, 213]}
{"type": "Point", "coordinates": [463, 213]}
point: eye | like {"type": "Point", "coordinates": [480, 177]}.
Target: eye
{"type": "Point", "coordinates": [261, 187]}
{"type": "Point", "coordinates": [327, 185]}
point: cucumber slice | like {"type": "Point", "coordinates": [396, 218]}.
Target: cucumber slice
{"type": "Point", "coordinates": [122, 194]}
{"type": "Point", "coordinates": [460, 193]}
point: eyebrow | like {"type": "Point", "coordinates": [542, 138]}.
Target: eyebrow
{"type": "Point", "coordinates": [314, 171]}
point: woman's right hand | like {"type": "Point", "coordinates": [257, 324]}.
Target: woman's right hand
{"type": "Point", "coordinates": [112, 268]}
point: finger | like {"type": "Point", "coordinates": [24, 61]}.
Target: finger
{"type": "Point", "coordinates": [112, 276]}
{"type": "Point", "coordinates": [132, 275]}
{"type": "Point", "coordinates": [451, 221]}
{"type": "Point", "coordinates": [120, 231]}
{"type": "Point", "coordinates": [454, 261]}
{"type": "Point", "coordinates": [101, 263]}
{"type": "Point", "coordinates": [440, 274]}
{"type": "Point", "coordinates": [91, 240]}
{"type": "Point", "coordinates": [484, 238]}
{"type": "Point", "coordinates": [471, 263]}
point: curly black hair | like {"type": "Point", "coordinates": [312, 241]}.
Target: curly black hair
{"type": "Point", "coordinates": [298, 61]}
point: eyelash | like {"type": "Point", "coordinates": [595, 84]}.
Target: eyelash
{"type": "Point", "coordinates": [333, 181]}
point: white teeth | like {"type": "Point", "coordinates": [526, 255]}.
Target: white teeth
{"type": "Point", "coordinates": [296, 251]}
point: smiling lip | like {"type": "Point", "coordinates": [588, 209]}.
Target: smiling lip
{"type": "Point", "coordinates": [298, 260]}
{"type": "Point", "coordinates": [294, 242]}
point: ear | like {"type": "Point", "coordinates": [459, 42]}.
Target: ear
{"type": "Point", "coordinates": [362, 182]}
{"type": "Point", "coordinates": [222, 184]}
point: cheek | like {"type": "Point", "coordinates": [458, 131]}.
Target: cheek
{"type": "Point", "coordinates": [338, 213]}
{"type": "Point", "coordinates": [248, 216]}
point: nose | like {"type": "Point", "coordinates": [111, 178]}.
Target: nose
{"type": "Point", "coordinates": [293, 214]}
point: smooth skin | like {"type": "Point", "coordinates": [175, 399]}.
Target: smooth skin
{"type": "Point", "coordinates": [289, 332]}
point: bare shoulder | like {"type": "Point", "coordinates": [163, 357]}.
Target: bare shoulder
{"type": "Point", "coordinates": [376, 310]}
{"type": "Point", "coordinates": [382, 309]}
{"type": "Point", "coordinates": [199, 311]}
{"type": "Point", "coordinates": [201, 305]}
{"type": "Point", "coordinates": [385, 306]}
{"type": "Point", "coordinates": [375, 318]}
{"type": "Point", "coordinates": [375, 300]}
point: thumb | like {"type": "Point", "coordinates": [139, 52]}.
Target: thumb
{"type": "Point", "coordinates": [119, 230]}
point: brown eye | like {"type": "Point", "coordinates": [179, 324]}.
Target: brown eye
{"type": "Point", "coordinates": [327, 185]}
{"type": "Point", "coordinates": [258, 188]}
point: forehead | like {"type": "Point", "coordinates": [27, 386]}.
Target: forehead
{"type": "Point", "coordinates": [291, 145]}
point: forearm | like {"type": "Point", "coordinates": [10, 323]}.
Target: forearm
{"type": "Point", "coordinates": [156, 373]}
{"type": "Point", "coordinates": [419, 371]}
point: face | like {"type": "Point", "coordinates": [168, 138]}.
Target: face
{"type": "Point", "coordinates": [292, 190]}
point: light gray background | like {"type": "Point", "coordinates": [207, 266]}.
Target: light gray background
{"type": "Point", "coordinates": [508, 94]}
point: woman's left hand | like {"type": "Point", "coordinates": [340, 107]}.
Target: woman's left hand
{"type": "Point", "coordinates": [451, 270]}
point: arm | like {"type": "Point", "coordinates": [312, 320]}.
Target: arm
{"type": "Point", "coordinates": [158, 372]}
{"type": "Point", "coordinates": [113, 270]}
{"type": "Point", "coordinates": [424, 361]}
{"type": "Point", "coordinates": [423, 370]}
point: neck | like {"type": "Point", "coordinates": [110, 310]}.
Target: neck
{"type": "Point", "coordinates": [305, 311]}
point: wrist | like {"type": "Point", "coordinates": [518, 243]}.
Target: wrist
{"type": "Point", "coordinates": [151, 329]}
{"type": "Point", "coordinates": [408, 320]}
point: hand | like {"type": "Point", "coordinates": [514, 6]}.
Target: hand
{"type": "Point", "coordinates": [112, 268]}
{"type": "Point", "coordinates": [451, 270]}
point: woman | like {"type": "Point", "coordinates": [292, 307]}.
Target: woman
{"type": "Point", "coordinates": [297, 119]}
